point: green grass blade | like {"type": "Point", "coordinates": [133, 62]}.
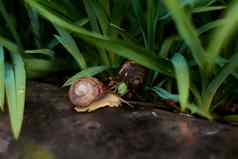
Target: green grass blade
{"type": "Point", "coordinates": [151, 22]}
{"type": "Point", "coordinates": [2, 78]}
{"type": "Point", "coordinates": [231, 117]}
{"type": "Point", "coordinates": [106, 5]}
{"type": "Point", "coordinates": [101, 16]}
{"type": "Point", "coordinates": [221, 36]}
{"type": "Point", "coordinates": [20, 88]}
{"type": "Point", "coordinates": [70, 45]}
{"type": "Point", "coordinates": [10, 84]}
{"type": "Point", "coordinates": [164, 94]}
{"type": "Point", "coordinates": [187, 31]}
{"type": "Point", "coordinates": [38, 68]}
{"type": "Point", "coordinates": [136, 53]}
{"type": "Point", "coordinates": [10, 21]}
{"type": "Point", "coordinates": [207, 9]}
{"type": "Point", "coordinates": [91, 71]}
{"type": "Point", "coordinates": [183, 80]}
{"type": "Point", "coordinates": [137, 8]}
{"type": "Point", "coordinates": [46, 52]}
{"type": "Point", "coordinates": [121, 48]}
{"type": "Point", "coordinates": [8, 44]}
{"type": "Point", "coordinates": [95, 27]}
{"type": "Point", "coordinates": [35, 25]}
{"type": "Point", "coordinates": [211, 25]}
{"type": "Point", "coordinates": [166, 46]}
{"type": "Point", "coordinates": [228, 69]}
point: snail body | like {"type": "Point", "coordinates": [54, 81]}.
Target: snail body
{"type": "Point", "coordinates": [85, 91]}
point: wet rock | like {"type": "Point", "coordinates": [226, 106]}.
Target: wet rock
{"type": "Point", "coordinates": [53, 131]}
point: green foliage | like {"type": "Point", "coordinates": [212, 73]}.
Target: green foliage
{"type": "Point", "coordinates": [183, 80]}
{"type": "Point", "coordinates": [146, 20]}
{"type": "Point", "coordinates": [2, 78]}
{"type": "Point", "coordinates": [188, 46]}
{"type": "Point", "coordinates": [91, 71]}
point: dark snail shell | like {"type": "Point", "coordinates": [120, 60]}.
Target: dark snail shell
{"type": "Point", "coordinates": [85, 91]}
{"type": "Point", "coordinates": [133, 74]}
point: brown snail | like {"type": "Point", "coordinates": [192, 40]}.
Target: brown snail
{"type": "Point", "coordinates": [89, 94]}
{"type": "Point", "coordinates": [85, 91]}
{"type": "Point", "coordinates": [133, 74]}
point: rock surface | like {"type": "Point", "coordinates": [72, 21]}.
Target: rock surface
{"type": "Point", "coordinates": [53, 131]}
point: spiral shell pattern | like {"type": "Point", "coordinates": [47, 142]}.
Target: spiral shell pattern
{"type": "Point", "coordinates": [85, 91]}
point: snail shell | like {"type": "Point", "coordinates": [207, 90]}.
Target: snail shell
{"type": "Point", "coordinates": [85, 91]}
{"type": "Point", "coordinates": [133, 74]}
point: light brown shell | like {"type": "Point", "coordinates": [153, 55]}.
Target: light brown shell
{"type": "Point", "coordinates": [85, 91]}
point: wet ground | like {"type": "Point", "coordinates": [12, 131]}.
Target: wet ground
{"type": "Point", "coordinates": [53, 131]}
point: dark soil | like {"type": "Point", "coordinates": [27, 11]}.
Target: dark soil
{"type": "Point", "coordinates": [53, 131]}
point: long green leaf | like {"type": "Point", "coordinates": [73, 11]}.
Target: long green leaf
{"type": "Point", "coordinates": [91, 71]}
{"type": "Point", "coordinates": [151, 22]}
{"type": "Point", "coordinates": [70, 45]}
{"type": "Point", "coordinates": [10, 84]}
{"type": "Point", "coordinates": [8, 44]}
{"type": "Point", "coordinates": [95, 27]}
{"type": "Point", "coordinates": [207, 9]}
{"type": "Point", "coordinates": [164, 94]}
{"type": "Point", "coordinates": [101, 16]}
{"type": "Point", "coordinates": [187, 31]}
{"type": "Point", "coordinates": [20, 83]}
{"type": "Point", "coordinates": [121, 48]}
{"type": "Point", "coordinates": [2, 78]}
{"type": "Point", "coordinates": [228, 69]}
{"type": "Point", "coordinates": [183, 80]}
{"type": "Point", "coordinates": [221, 35]}
{"type": "Point", "coordinates": [137, 8]}
{"type": "Point", "coordinates": [166, 46]}
{"type": "Point", "coordinates": [10, 21]}
{"type": "Point", "coordinates": [231, 117]}
{"type": "Point", "coordinates": [46, 52]}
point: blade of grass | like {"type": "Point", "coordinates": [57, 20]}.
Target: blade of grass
{"type": "Point", "coordinates": [187, 31]}
{"type": "Point", "coordinates": [35, 23]}
{"type": "Point", "coordinates": [10, 84]}
{"type": "Point", "coordinates": [221, 36]}
{"type": "Point", "coordinates": [104, 23]}
{"type": "Point", "coordinates": [106, 6]}
{"type": "Point", "coordinates": [2, 78]}
{"type": "Point", "coordinates": [101, 16]}
{"type": "Point", "coordinates": [121, 48]}
{"type": "Point", "coordinates": [164, 94]}
{"type": "Point", "coordinates": [70, 45]}
{"type": "Point", "coordinates": [46, 52]}
{"type": "Point", "coordinates": [20, 90]}
{"type": "Point", "coordinates": [151, 23]}
{"type": "Point", "coordinates": [183, 81]}
{"type": "Point", "coordinates": [210, 25]}
{"type": "Point", "coordinates": [95, 27]}
{"type": "Point", "coordinates": [210, 92]}
{"type": "Point", "coordinates": [137, 8]}
{"type": "Point", "coordinates": [207, 9]}
{"type": "Point", "coordinates": [231, 117]}
{"type": "Point", "coordinates": [36, 67]}
{"type": "Point", "coordinates": [8, 44]}
{"type": "Point", "coordinates": [91, 71]}
{"type": "Point", "coordinates": [167, 44]}
{"type": "Point", "coordinates": [10, 23]}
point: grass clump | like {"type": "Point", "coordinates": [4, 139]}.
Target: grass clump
{"type": "Point", "coordinates": [189, 47]}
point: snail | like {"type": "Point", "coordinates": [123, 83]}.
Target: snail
{"type": "Point", "coordinates": [86, 90]}
{"type": "Point", "coordinates": [133, 74]}
{"type": "Point", "coordinates": [89, 94]}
